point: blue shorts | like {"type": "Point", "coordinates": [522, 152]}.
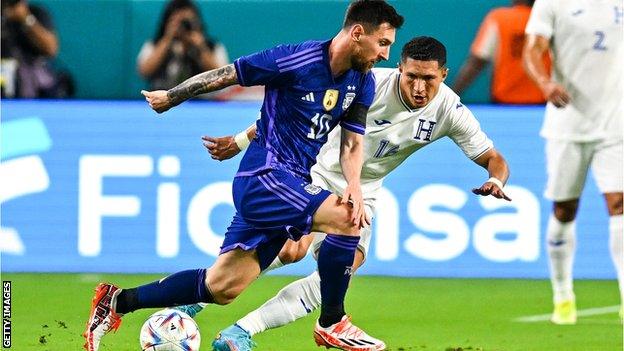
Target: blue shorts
{"type": "Point", "coordinates": [271, 207]}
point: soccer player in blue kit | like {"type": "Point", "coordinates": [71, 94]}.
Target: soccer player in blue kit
{"type": "Point", "coordinates": [309, 89]}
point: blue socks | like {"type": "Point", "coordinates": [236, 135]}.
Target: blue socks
{"type": "Point", "coordinates": [335, 261]}
{"type": "Point", "coordinates": [182, 288]}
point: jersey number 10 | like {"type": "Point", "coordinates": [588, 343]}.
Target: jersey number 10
{"type": "Point", "coordinates": [320, 126]}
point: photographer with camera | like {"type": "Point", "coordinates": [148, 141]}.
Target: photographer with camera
{"type": "Point", "coordinates": [180, 49]}
{"type": "Point", "coordinates": [29, 42]}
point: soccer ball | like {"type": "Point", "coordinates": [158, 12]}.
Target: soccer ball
{"type": "Point", "coordinates": [170, 330]}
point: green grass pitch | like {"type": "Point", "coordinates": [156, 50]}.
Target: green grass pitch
{"type": "Point", "coordinates": [50, 310]}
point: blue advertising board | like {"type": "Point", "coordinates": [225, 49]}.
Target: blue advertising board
{"type": "Point", "coordinates": [110, 186]}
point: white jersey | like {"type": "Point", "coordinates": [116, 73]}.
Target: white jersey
{"type": "Point", "coordinates": [586, 42]}
{"type": "Point", "coordinates": [394, 132]}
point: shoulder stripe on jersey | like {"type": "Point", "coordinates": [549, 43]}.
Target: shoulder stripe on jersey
{"type": "Point", "coordinates": [290, 68]}
{"type": "Point", "coordinates": [356, 128]}
{"type": "Point", "coordinates": [296, 54]}
{"type": "Point", "coordinates": [285, 64]}
{"type": "Point", "coordinates": [488, 148]}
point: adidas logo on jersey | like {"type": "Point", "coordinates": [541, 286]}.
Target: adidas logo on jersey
{"type": "Point", "coordinates": [308, 97]}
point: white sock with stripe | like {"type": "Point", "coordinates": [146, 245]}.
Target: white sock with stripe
{"type": "Point", "coordinates": [561, 244]}
{"type": "Point", "coordinates": [294, 301]}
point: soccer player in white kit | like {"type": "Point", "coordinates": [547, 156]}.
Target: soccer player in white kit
{"type": "Point", "coordinates": [582, 125]}
{"type": "Point", "coordinates": [412, 108]}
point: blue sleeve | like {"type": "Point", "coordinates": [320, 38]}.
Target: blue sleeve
{"type": "Point", "coordinates": [367, 93]}
{"type": "Point", "coordinates": [261, 68]}
{"type": "Point", "coordinates": [355, 118]}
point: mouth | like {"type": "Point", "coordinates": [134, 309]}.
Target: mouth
{"type": "Point", "coordinates": [419, 99]}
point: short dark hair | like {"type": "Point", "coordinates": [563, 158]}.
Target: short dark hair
{"type": "Point", "coordinates": [424, 49]}
{"type": "Point", "coordinates": [371, 14]}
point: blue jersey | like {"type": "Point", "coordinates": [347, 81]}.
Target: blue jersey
{"type": "Point", "coordinates": [303, 102]}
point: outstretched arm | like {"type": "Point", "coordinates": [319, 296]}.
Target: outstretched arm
{"type": "Point", "coordinates": [498, 170]}
{"type": "Point", "coordinates": [223, 148]}
{"type": "Point", "coordinates": [216, 79]}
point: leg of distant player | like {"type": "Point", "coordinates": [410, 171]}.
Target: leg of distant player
{"type": "Point", "coordinates": [616, 244]}
{"type": "Point", "coordinates": [608, 170]}
{"type": "Point", "coordinates": [561, 243]}
{"type": "Point", "coordinates": [567, 166]}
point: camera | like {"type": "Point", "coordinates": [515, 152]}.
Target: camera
{"type": "Point", "coordinates": [189, 25]}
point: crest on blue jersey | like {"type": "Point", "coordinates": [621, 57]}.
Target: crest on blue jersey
{"type": "Point", "coordinates": [312, 189]}
{"type": "Point", "coordinates": [330, 99]}
{"type": "Point", "coordinates": [347, 101]}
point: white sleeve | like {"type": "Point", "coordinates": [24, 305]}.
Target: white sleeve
{"type": "Point", "coordinates": [542, 19]}
{"type": "Point", "coordinates": [467, 134]}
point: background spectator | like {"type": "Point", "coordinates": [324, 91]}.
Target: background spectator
{"type": "Point", "coordinates": [180, 49]}
{"type": "Point", "coordinates": [28, 43]}
{"type": "Point", "coordinates": [500, 40]}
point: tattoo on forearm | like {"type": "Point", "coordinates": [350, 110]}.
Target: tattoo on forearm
{"type": "Point", "coordinates": [205, 82]}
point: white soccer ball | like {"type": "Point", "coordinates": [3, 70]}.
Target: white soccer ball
{"type": "Point", "coordinates": [170, 330]}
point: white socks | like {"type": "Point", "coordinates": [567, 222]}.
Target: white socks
{"type": "Point", "coordinates": [277, 263]}
{"type": "Point", "coordinates": [294, 301]}
{"type": "Point", "coordinates": [616, 247]}
{"type": "Point", "coordinates": [561, 244]}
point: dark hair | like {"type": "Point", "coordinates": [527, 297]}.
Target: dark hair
{"type": "Point", "coordinates": [424, 49]}
{"type": "Point", "coordinates": [171, 8]}
{"type": "Point", "coordinates": [371, 14]}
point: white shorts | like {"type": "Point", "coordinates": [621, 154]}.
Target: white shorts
{"type": "Point", "coordinates": [567, 163]}
{"type": "Point", "coordinates": [365, 233]}
{"type": "Point", "coordinates": [363, 245]}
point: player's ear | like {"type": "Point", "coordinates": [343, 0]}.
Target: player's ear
{"type": "Point", "coordinates": [357, 31]}
{"type": "Point", "coordinates": [400, 65]}
{"type": "Point", "coordinates": [445, 71]}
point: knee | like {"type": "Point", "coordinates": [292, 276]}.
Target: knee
{"type": "Point", "coordinates": [342, 224]}
{"type": "Point", "coordinates": [291, 254]}
{"type": "Point", "coordinates": [565, 211]}
{"type": "Point", "coordinates": [614, 204]}
{"type": "Point", "coordinates": [223, 294]}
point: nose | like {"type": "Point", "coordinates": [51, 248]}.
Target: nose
{"type": "Point", "coordinates": [385, 53]}
{"type": "Point", "coordinates": [419, 85]}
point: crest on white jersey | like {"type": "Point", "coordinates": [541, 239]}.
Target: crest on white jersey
{"type": "Point", "coordinates": [330, 99]}
{"type": "Point", "coordinates": [347, 100]}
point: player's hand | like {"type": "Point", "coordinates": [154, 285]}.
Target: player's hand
{"type": "Point", "coordinates": [489, 188]}
{"type": "Point", "coordinates": [221, 148]}
{"type": "Point", "coordinates": [158, 100]}
{"type": "Point", "coordinates": [353, 196]}
{"type": "Point", "coordinates": [17, 12]}
{"type": "Point", "coordinates": [556, 94]}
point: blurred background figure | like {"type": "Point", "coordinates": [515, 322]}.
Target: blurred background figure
{"type": "Point", "coordinates": [29, 42]}
{"type": "Point", "coordinates": [499, 41]}
{"type": "Point", "coordinates": [180, 49]}
{"type": "Point", "coordinates": [582, 126]}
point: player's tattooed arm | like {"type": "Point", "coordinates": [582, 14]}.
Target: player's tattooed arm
{"type": "Point", "coordinates": [202, 83]}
